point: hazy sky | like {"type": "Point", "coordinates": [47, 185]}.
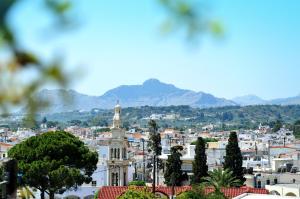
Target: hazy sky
{"type": "Point", "coordinates": [118, 42]}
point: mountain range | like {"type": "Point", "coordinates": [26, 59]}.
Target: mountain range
{"type": "Point", "coordinates": [152, 93]}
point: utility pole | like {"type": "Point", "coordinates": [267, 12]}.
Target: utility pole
{"type": "Point", "coordinates": [135, 173]}
{"type": "Point", "coordinates": [269, 152]}
{"type": "Point", "coordinates": [144, 171]}
{"type": "Point", "coordinates": [173, 185]}
{"type": "Point", "coordinates": [154, 172]}
{"type": "Point", "coordinates": [255, 149]}
{"type": "Point", "coordinates": [157, 172]}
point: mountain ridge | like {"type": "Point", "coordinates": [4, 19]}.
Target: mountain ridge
{"type": "Point", "coordinates": [152, 92]}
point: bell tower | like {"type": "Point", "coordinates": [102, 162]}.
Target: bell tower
{"type": "Point", "coordinates": [118, 161]}
{"type": "Point", "coordinates": [117, 116]}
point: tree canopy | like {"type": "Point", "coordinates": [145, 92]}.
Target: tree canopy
{"type": "Point", "coordinates": [54, 162]}
{"type": "Point", "coordinates": [200, 167]}
{"type": "Point", "coordinates": [133, 193]}
{"type": "Point", "coordinates": [173, 174]}
{"type": "Point", "coordinates": [234, 158]}
{"type": "Point", "coordinates": [219, 178]}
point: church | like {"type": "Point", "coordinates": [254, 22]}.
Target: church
{"type": "Point", "coordinates": [118, 162]}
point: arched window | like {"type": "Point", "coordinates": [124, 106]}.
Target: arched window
{"type": "Point", "coordinates": [111, 152]}
{"type": "Point", "coordinates": [113, 179]}
{"type": "Point", "coordinates": [115, 153]}
{"type": "Point", "coordinates": [117, 179]}
{"type": "Point", "coordinates": [124, 155]}
{"type": "Point", "coordinates": [118, 153]}
{"type": "Point", "coordinates": [258, 184]}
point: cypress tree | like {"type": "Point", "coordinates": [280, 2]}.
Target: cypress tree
{"type": "Point", "coordinates": [200, 167]}
{"type": "Point", "coordinates": [234, 158]}
{"type": "Point", "coordinates": [155, 146]}
{"type": "Point", "coordinates": [173, 174]}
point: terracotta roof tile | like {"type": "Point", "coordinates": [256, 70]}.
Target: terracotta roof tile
{"type": "Point", "coordinates": [110, 192]}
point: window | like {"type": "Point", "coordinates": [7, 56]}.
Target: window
{"type": "Point", "coordinates": [275, 181]}
{"type": "Point", "coordinates": [118, 154]}
{"type": "Point", "coordinates": [259, 184]}
{"type": "Point", "coordinates": [3, 155]}
{"type": "Point", "coordinates": [268, 182]}
{"type": "Point", "coordinates": [114, 179]}
{"type": "Point", "coordinates": [117, 179]}
{"type": "Point", "coordinates": [94, 183]}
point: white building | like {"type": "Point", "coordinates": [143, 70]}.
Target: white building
{"type": "Point", "coordinates": [118, 163]}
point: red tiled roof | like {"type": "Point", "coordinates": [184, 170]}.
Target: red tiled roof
{"type": "Point", "coordinates": [110, 192]}
{"type": "Point", "coordinates": [5, 144]}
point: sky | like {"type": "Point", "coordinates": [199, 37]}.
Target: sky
{"type": "Point", "coordinates": [118, 42]}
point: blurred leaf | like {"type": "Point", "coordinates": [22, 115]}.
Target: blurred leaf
{"type": "Point", "coordinates": [25, 58]}
{"type": "Point", "coordinates": [217, 28]}
{"type": "Point", "coordinates": [59, 6]}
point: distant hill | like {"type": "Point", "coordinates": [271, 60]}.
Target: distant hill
{"type": "Point", "coordinates": [255, 100]}
{"type": "Point", "coordinates": [151, 93]}
{"type": "Point", "coordinates": [155, 93]}
{"type": "Point", "coordinates": [249, 100]}
{"type": "Point", "coordinates": [286, 101]}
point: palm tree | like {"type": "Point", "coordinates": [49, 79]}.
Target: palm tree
{"type": "Point", "coordinates": [219, 178]}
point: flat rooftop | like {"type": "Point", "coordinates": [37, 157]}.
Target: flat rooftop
{"type": "Point", "coordinates": [262, 196]}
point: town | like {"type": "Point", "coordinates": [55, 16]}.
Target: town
{"type": "Point", "coordinates": [149, 99]}
{"type": "Point", "coordinates": [270, 159]}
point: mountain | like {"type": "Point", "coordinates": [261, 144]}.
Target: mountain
{"type": "Point", "coordinates": [255, 100]}
{"type": "Point", "coordinates": [152, 93]}
{"type": "Point", "coordinates": [249, 100]}
{"type": "Point", "coordinates": [286, 101]}
{"type": "Point", "coordinates": [60, 100]}
{"type": "Point", "coordinates": [155, 93]}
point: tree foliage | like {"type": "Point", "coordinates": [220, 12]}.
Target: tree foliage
{"type": "Point", "coordinates": [155, 139]}
{"type": "Point", "coordinates": [277, 126]}
{"type": "Point", "coordinates": [200, 167]}
{"type": "Point", "coordinates": [173, 174]}
{"type": "Point", "coordinates": [133, 193]}
{"type": "Point", "coordinates": [219, 178]}
{"type": "Point", "coordinates": [54, 162]}
{"type": "Point", "coordinates": [137, 183]}
{"type": "Point", "coordinates": [21, 59]}
{"type": "Point", "coordinates": [197, 192]}
{"type": "Point", "coordinates": [233, 158]}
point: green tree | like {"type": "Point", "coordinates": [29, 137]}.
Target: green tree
{"type": "Point", "coordinates": [44, 120]}
{"type": "Point", "coordinates": [197, 192]}
{"type": "Point", "coordinates": [133, 193]}
{"type": "Point", "coordinates": [54, 162]}
{"type": "Point", "coordinates": [219, 178]}
{"type": "Point", "coordinates": [277, 126]}
{"type": "Point", "coordinates": [173, 174]}
{"type": "Point", "coordinates": [137, 183]}
{"type": "Point", "coordinates": [155, 146]}
{"type": "Point", "coordinates": [200, 167]}
{"type": "Point", "coordinates": [234, 158]}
